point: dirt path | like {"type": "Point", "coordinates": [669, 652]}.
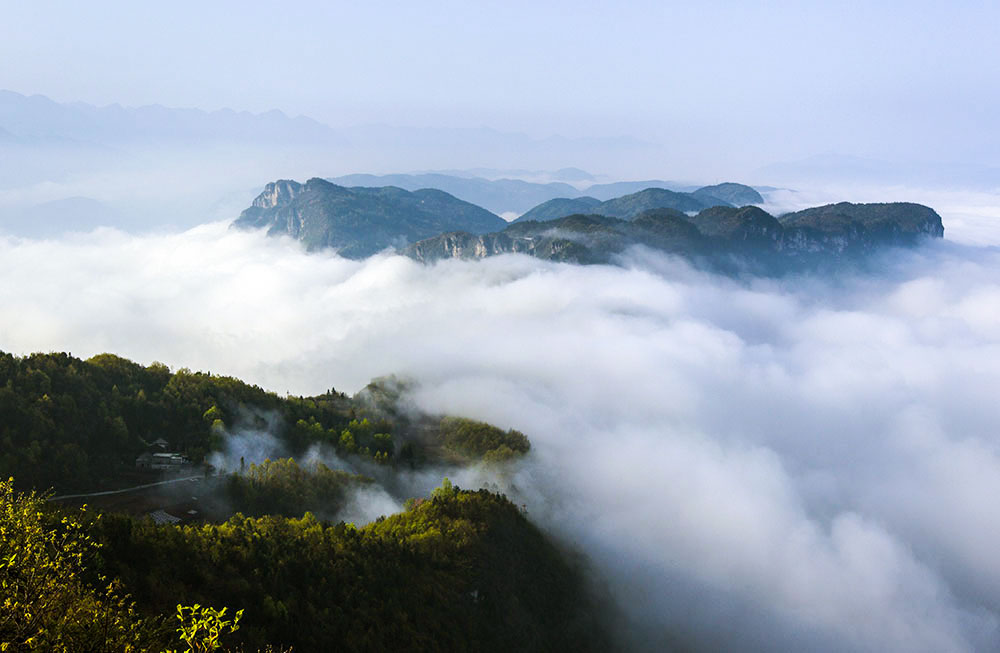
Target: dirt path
{"type": "Point", "coordinates": [128, 489]}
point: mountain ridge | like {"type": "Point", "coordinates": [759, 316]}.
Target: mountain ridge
{"type": "Point", "coordinates": [723, 238]}
{"type": "Point", "coordinates": [360, 221]}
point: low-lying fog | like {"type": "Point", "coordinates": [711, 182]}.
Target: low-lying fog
{"type": "Point", "coordinates": [794, 464]}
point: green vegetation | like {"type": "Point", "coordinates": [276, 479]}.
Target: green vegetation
{"type": "Point", "coordinates": [282, 487]}
{"type": "Point", "coordinates": [481, 441]}
{"type": "Point", "coordinates": [203, 627]}
{"type": "Point", "coordinates": [77, 425]}
{"type": "Point", "coordinates": [49, 598]}
{"type": "Point", "coordinates": [462, 571]}
{"type": "Point", "coordinates": [72, 424]}
{"type": "Point", "coordinates": [459, 571]}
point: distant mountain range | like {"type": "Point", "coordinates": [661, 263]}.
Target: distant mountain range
{"type": "Point", "coordinates": [36, 120]}
{"type": "Point", "coordinates": [430, 224]}
{"type": "Point", "coordinates": [499, 195]}
{"type": "Point", "coordinates": [50, 219]}
{"type": "Point", "coordinates": [631, 205]}
{"type": "Point", "coordinates": [518, 196]}
{"type": "Point", "coordinates": [723, 237]}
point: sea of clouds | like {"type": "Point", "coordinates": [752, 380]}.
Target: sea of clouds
{"type": "Point", "coordinates": [804, 463]}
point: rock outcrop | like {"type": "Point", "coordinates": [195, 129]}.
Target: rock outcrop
{"type": "Point", "coordinates": [360, 221]}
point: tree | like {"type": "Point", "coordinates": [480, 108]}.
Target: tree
{"type": "Point", "coordinates": [203, 626]}
{"type": "Point", "coordinates": [47, 604]}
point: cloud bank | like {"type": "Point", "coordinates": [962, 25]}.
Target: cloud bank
{"type": "Point", "coordinates": [795, 464]}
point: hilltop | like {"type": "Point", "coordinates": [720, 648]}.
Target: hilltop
{"type": "Point", "coordinates": [631, 205]}
{"type": "Point", "coordinates": [360, 221]}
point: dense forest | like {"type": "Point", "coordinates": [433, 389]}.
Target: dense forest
{"type": "Point", "coordinates": [79, 425]}
{"type": "Point", "coordinates": [459, 571]}
{"type": "Point", "coordinates": [263, 565]}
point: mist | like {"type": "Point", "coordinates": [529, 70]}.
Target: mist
{"type": "Point", "coordinates": [799, 463]}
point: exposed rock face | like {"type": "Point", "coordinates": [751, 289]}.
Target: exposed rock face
{"type": "Point", "coordinates": [277, 192]}
{"type": "Point", "coordinates": [723, 237]}
{"type": "Point", "coordinates": [360, 221]}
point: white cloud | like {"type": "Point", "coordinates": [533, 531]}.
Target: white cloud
{"type": "Point", "coordinates": [794, 464]}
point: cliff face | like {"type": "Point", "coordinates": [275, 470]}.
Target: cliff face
{"type": "Point", "coordinates": [360, 221]}
{"type": "Point", "coordinates": [277, 193]}
{"type": "Point", "coordinates": [718, 236]}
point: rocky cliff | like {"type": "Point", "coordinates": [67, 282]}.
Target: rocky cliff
{"type": "Point", "coordinates": [723, 237]}
{"type": "Point", "coordinates": [360, 221]}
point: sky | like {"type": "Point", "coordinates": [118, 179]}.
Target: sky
{"type": "Point", "coordinates": [749, 82]}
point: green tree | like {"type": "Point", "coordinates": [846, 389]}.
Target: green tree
{"type": "Point", "coordinates": [47, 605]}
{"type": "Point", "coordinates": [202, 627]}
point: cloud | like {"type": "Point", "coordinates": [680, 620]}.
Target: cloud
{"type": "Point", "coordinates": [768, 464]}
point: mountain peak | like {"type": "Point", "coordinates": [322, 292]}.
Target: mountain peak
{"type": "Point", "coordinates": [277, 193]}
{"type": "Point", "coordinates": [360, 221]}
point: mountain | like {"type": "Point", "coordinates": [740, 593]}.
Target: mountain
{"type": "Point", "coordinates": [619, 188]}
{"type": "Point", "coordinates": [735, 194]}
{"type": "Point", "coordinates": [508, 195]}
{"type": "Point", "coordinates": [560, 207]}
{"type": "Point", "coordinates": [457, 570]}
{"type": "Point", "coordinates": [900, 222]}
{"type": "Point", "coordinates": [724, 238]}
{"type": "Point", "coordinates": [625, 207]}
{"type": "Point", "coordinates": [748, 224]}
{"type": "Point", "coordinates": [569, 175]}
{"type": "Point", "coordinates": [70, 214]}
{"type": "Point", "coordinates": [37, 119]}
{"type": "Point", "coordinates": [629, 206]}
{"type": "Point", "coordinates": [360, 221]}
{"type": "Point", "coordinates": [499, 195]}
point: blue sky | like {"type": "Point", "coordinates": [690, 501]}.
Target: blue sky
{"type": "Point", "coordinates": [754, 81]}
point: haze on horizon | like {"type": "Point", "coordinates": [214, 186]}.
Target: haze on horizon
{"type": "Point", "coordinates": [718, 89]}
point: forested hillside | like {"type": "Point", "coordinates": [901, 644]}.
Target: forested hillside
{"type": "Point", "coordinates": [455, 571]}
{"type": "Point", "coordinates": [79, 425]}
{"type": "Point", "coordinates": [459, 571]}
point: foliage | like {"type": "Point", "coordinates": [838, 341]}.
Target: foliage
{"type": "Point", "coordinates": [72, 424]}
{"type": "Point", "coordinates": [463, 571]}
{"type": "Point", "coordinates": [479, 440]}
{"type": "Point", "coordinates": [282, 487]}
{"type": "Point", "coordinates": [203, 626]}
{"type": "Point", "coordinates": [49, 601]}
